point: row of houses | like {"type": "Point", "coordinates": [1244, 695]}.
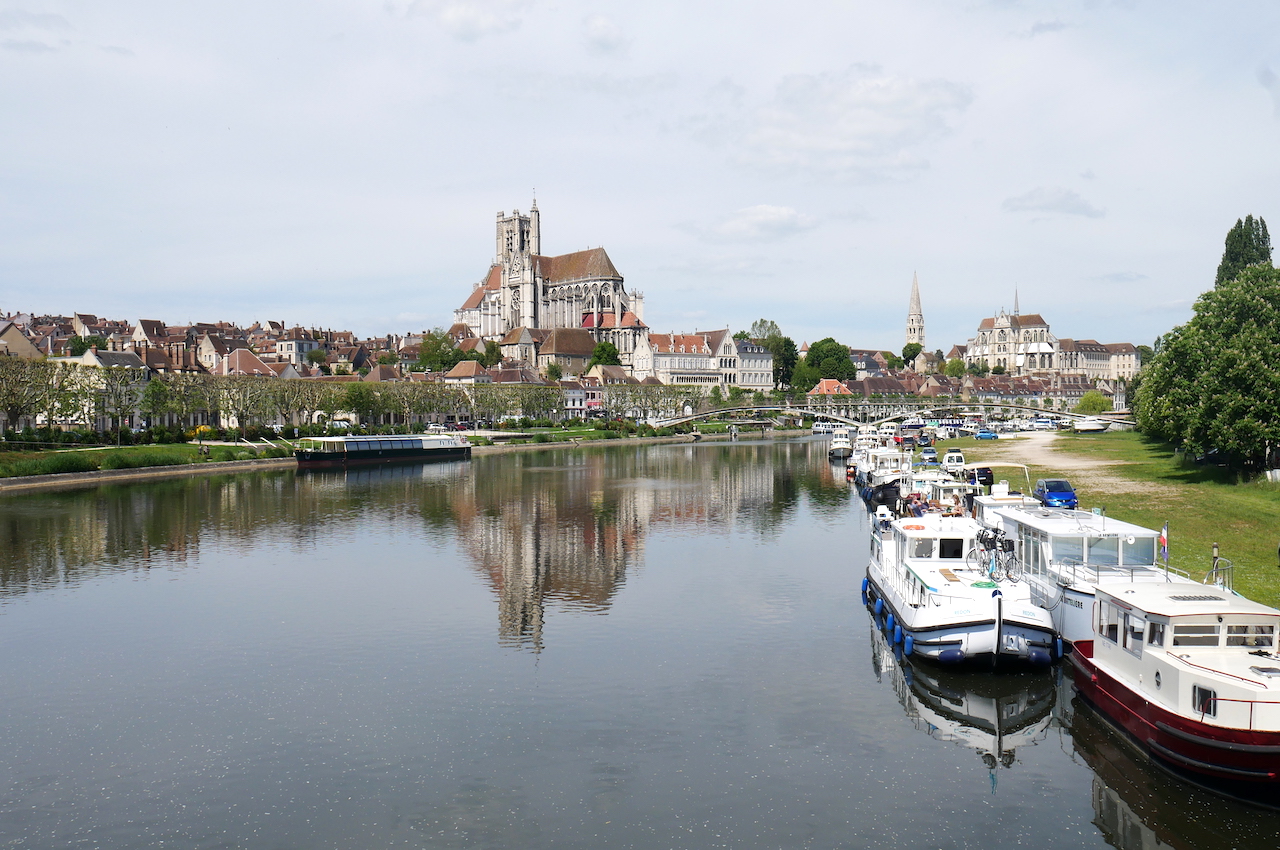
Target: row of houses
{"type": "Point", "coordinates": [1059, 392]}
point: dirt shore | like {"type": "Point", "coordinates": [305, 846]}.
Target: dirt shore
{"type": "Point", "coordinates": [1044, 449]}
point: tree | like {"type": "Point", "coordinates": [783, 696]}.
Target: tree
{"type": "Point", "coordinates": [764, 329]}
{"type": "Point", "coordinates": [388, 358]}
{"type": "Point", "coordinates": [1145, 353]}
{"type": "Point", "coordinates": [785, 355]}
{"type": "Point", "coordinates": [156, 401]}
{"type": "Point", "coordinates": [980, 370]}
{"type": "Point", "coordinates": [605, 354]}
{"type": "Point", "coordinates": [954, 368]}
{"type": "Point", "coordinates": [1248, 243]}
{"type": "Point", "coordinates": [892, 360]}
{"type": "Point", "coordinates": [22, 388]}
{"type": "Point", "coordinates": [742, 335]}
{"type": "Point", "coordinates": [1092, 403]}
{"type": "Point", "coordinates": [998, 369]}
{"type": "Point", "coordinates": [831, 360]}
{"type": "Point", "coordinates": [1213, 382]}
{"type": "Point", "coordinates": [78, 345]}
{"type": "Point", "coordinates": [554, 372]}
{"type": "Point", "coordinates": [911, 351]}
{"type": "Point", "coordinates": [318, 357]}
{"type": "Point", "coordinates": [362, 400]}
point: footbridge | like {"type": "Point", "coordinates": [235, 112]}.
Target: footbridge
{"type": "Point", "coordinates": [877, 411]}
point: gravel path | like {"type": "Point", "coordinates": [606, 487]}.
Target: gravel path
{"type": "Point", "coordinates": [1043, 449]}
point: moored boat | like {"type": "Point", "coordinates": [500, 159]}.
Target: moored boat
{"type": "Point", "coordinates": [1090, 425]}
{"type": "Point", "coordinates": [1192, 674]}
{"type": "Point", "coordinates": [322, 452]}
{"type": "Point", "coordinates": [942, 603]}
{"type": "Point", "coordinates": [841, 446]}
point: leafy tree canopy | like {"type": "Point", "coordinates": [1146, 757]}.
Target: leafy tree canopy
{"type": "Point", "coordinates": [78, 345]}
{"type": "Point", "coordinates": [1248, 243]}
{"type": "Point", "coordinates": [1145, 353]}
{"type": "Point", "coordinates": [1092, 403]}
{"type": "Point", "coordinates": [954, 368]}
{"type": "Point", "coordinates": [785, 355]}
{"type": "Point", "coordinates": [742, 335]}
{"type": "Point", "coordinates": [1213, 382]}
{"type": "Point", "coordinates": [388, 358]}
{"type": "Point", "coordinates": [998, 369]}
{"type": "Point", "coordinates": [911, 351]}
{"type": "Point", "coordinates": [831, 360]}
{"type": "Point", "coordinates": [893, 360]}
{"type": "Point", "coordinates": [605, 354]}
{"type": "Point", "coordinates": [554, 372]}
{"type": "Point", "coordinates": [764, 329]}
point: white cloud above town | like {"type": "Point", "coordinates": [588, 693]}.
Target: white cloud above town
{"type": "Point", "coordinates": [340, 164]}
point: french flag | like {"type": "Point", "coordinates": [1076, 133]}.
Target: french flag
{"type": "Point", "coordinates": [1164, 543]}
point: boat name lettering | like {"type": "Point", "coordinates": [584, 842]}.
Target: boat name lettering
{"type": "Point", "coordinates": [1075, 603]}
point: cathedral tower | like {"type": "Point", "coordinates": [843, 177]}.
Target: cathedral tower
{"type": "Point", "coordinates": [915, 316]}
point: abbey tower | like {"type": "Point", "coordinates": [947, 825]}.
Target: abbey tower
{"type": "Point", "coordinates": [915, 316]}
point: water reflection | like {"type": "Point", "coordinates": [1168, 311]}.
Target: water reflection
{"type": "Point", "coordinates": [994, 715]}
{"type": "Point", "coordinates": [549, 528]}
{"type": "Point", "coordinates": [1137, 806]}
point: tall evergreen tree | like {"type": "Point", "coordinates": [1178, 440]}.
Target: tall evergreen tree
{"type": "Point", "coordinates": [1248, 243]}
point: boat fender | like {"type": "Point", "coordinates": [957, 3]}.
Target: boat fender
{"type": "Point", "coordinates": [908, 644]}
{"type": "Point", "coordinates": [865, 583]}
{"type": "Point", "coordinates": [951, 656]}
{"type": "Point", "coordinates": [1038, 656]}
{"type": "Point", "coordinates": [888, 623]}
{"type": "Point", "coordinates": [897, 634]}
{"type": "Point", "coordinates": [879, 606]}
{"type": "Point", "coordinates": [1058, 646]}
{"type": "Point", "coordinates": [866, 600]}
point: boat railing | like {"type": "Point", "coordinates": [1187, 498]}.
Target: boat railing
{"type": "Point", "coordinates": [1221, 574]}
{"type": "Point", "coordinates": [1086, 573]}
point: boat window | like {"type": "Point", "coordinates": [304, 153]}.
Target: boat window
{"type": "Point", "coordinates": [951, 548]}
{"type": "Point", "coordinates": [1197, 635]}
{"type": "Point", "coordinates": [922, 547]}
{"type": "Point", "coordinates": [1068, 549]}
{"type": "Point", "coordinates": [1104, 551]}
{"type": "Point", "coordinates": [1204, 700]}
{"type": "Point", "coordinates": [1253, 636]}
{"type": "Point", "coordinates": [1155, 634]}
{"type": "Point", "coordinates": [1142, 551]}
{"type": "Point", "coordinates": [1109, 621]}
{"type": "Point", "coordinates": [1134, 629]}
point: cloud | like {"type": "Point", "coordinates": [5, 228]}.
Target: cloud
{"type": "Point", "coordinates": [859, 123]}
{"type": "Point", "coordinates": [762, 222]}
{"type": "Point", "coordinates": [1268, 79]}
{"type": "Point", "coordinates": [470, 20]}
{"type": "Point", "coordinates": [1053, 201]}
{"type": "Point", "coordinates": [1042, 27]}
{"type": "Point", "coordinates": [15, 19]}
{"type": "Point", "coordinates": [604, 36]}
{"type": "Point", "coordinates": [26, 46]}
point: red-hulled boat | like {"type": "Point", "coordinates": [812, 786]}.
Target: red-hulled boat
{"type": "Point", "coordinates": [1191, 673]}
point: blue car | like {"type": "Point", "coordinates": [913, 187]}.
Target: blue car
{"type": "Point", "coordinates": [1055, 493]}
{"type": "Point", "coordinates": [987, 434]}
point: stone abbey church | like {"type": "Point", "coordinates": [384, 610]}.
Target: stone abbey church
{"type": "Point", "coordinates": [528, 294]}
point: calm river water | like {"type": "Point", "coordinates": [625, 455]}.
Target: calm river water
{"type": "Point", "coordinates": [658, 647]}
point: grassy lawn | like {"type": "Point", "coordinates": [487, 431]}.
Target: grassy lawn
{"type": "Point", "coordinates": [1147, 484]}
{"type": "Point", "coordinates": [18, 463]}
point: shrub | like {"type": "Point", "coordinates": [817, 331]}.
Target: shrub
{"type": "Point", "coordinates": [221, 453]}
{"type": "Point", "coordinates": [136, 460]}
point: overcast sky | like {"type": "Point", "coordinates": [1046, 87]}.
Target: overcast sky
{"type": "Point", "coordinates": [340, 164]}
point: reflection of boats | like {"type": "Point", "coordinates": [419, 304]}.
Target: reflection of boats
{"type": "Point", "coordinates": [841, 446]}
{"type": "Point", "coordinates": [1138, 806]}
{"type": "Point", "coordinates": [319, 452]}
{"type": "Point", "coordinates": [1192, 673]}
{"type": "Point", "coordinates": [991, 714]}
{"type": "Point", "coordinates": [942, 605]}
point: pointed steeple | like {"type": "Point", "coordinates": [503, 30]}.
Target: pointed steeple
{"type": "Point", "coordinates": [915, 315]}
{"type": "Point", "coordinates": [1015, 300]}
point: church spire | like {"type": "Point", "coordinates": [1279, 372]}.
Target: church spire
{"type": "Point", "coordinates": [1015, 300]}
{"type": "Point", "coordinates": [915, 315]}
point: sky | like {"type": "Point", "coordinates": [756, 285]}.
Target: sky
{"type": "Point", "coordinates": [341, 164]}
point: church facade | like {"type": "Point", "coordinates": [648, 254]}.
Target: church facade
{"type": "Point", "coordinates": [526, 289]}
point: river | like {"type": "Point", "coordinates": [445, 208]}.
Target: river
{"type": "Point", "coordinates": [614, 646]}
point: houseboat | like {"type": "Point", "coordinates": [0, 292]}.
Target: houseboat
{"type": "Point", "coordinates": [942, 604]}
{"type": "Point", "coordinates": [1191, 673]}
{"type": "Point", "coordinates": [1068, 555]}
{"type": "Point", "coordinates": [342, 452]}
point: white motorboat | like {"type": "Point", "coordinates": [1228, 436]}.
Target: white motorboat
{"type": "Point", "coordinates": [1090, 425]}
{"type": "Point", "coordinates": [941, 603]}
{"type": "Point", "coordinates": [841, 446]}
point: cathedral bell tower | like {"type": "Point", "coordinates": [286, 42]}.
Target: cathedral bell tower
{"type": "Point", "coordinates": [518, 241]}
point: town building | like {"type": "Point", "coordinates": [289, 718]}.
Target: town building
{"type": "Point", "coordinates": [1025, 345]}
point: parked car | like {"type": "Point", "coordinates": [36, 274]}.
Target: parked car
{"type": "Point", "coordinates": [1055, 493]}
{"type": "Point", "coordinates": [982, 475]}
{"type": "Point", "coordinates": [953, 460]}
{"type": "Point", "coordinates": [929, 455]}
{"type": "Point", "coordinates": [987, 434]}
{"type": "Point", "coordinates": [435, 428]}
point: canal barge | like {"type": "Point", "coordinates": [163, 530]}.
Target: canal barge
{"type": "Point", "coordinates": [942, 603]}
{"type": "Point", "coordinates": [841, 446]}
{"type": "Point", "coordinates": [1191, 673]}
{"type": "Point", "coordinates": [342, 452]}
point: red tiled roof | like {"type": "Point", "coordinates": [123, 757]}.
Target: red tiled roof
{"type": "Point", "coordinates": [580, 265]}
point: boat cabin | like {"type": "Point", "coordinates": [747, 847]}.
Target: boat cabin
{"type": "Point", "coordinates": [1198, 652]}
{"type": "Point", "coordinates": [930, 551]}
